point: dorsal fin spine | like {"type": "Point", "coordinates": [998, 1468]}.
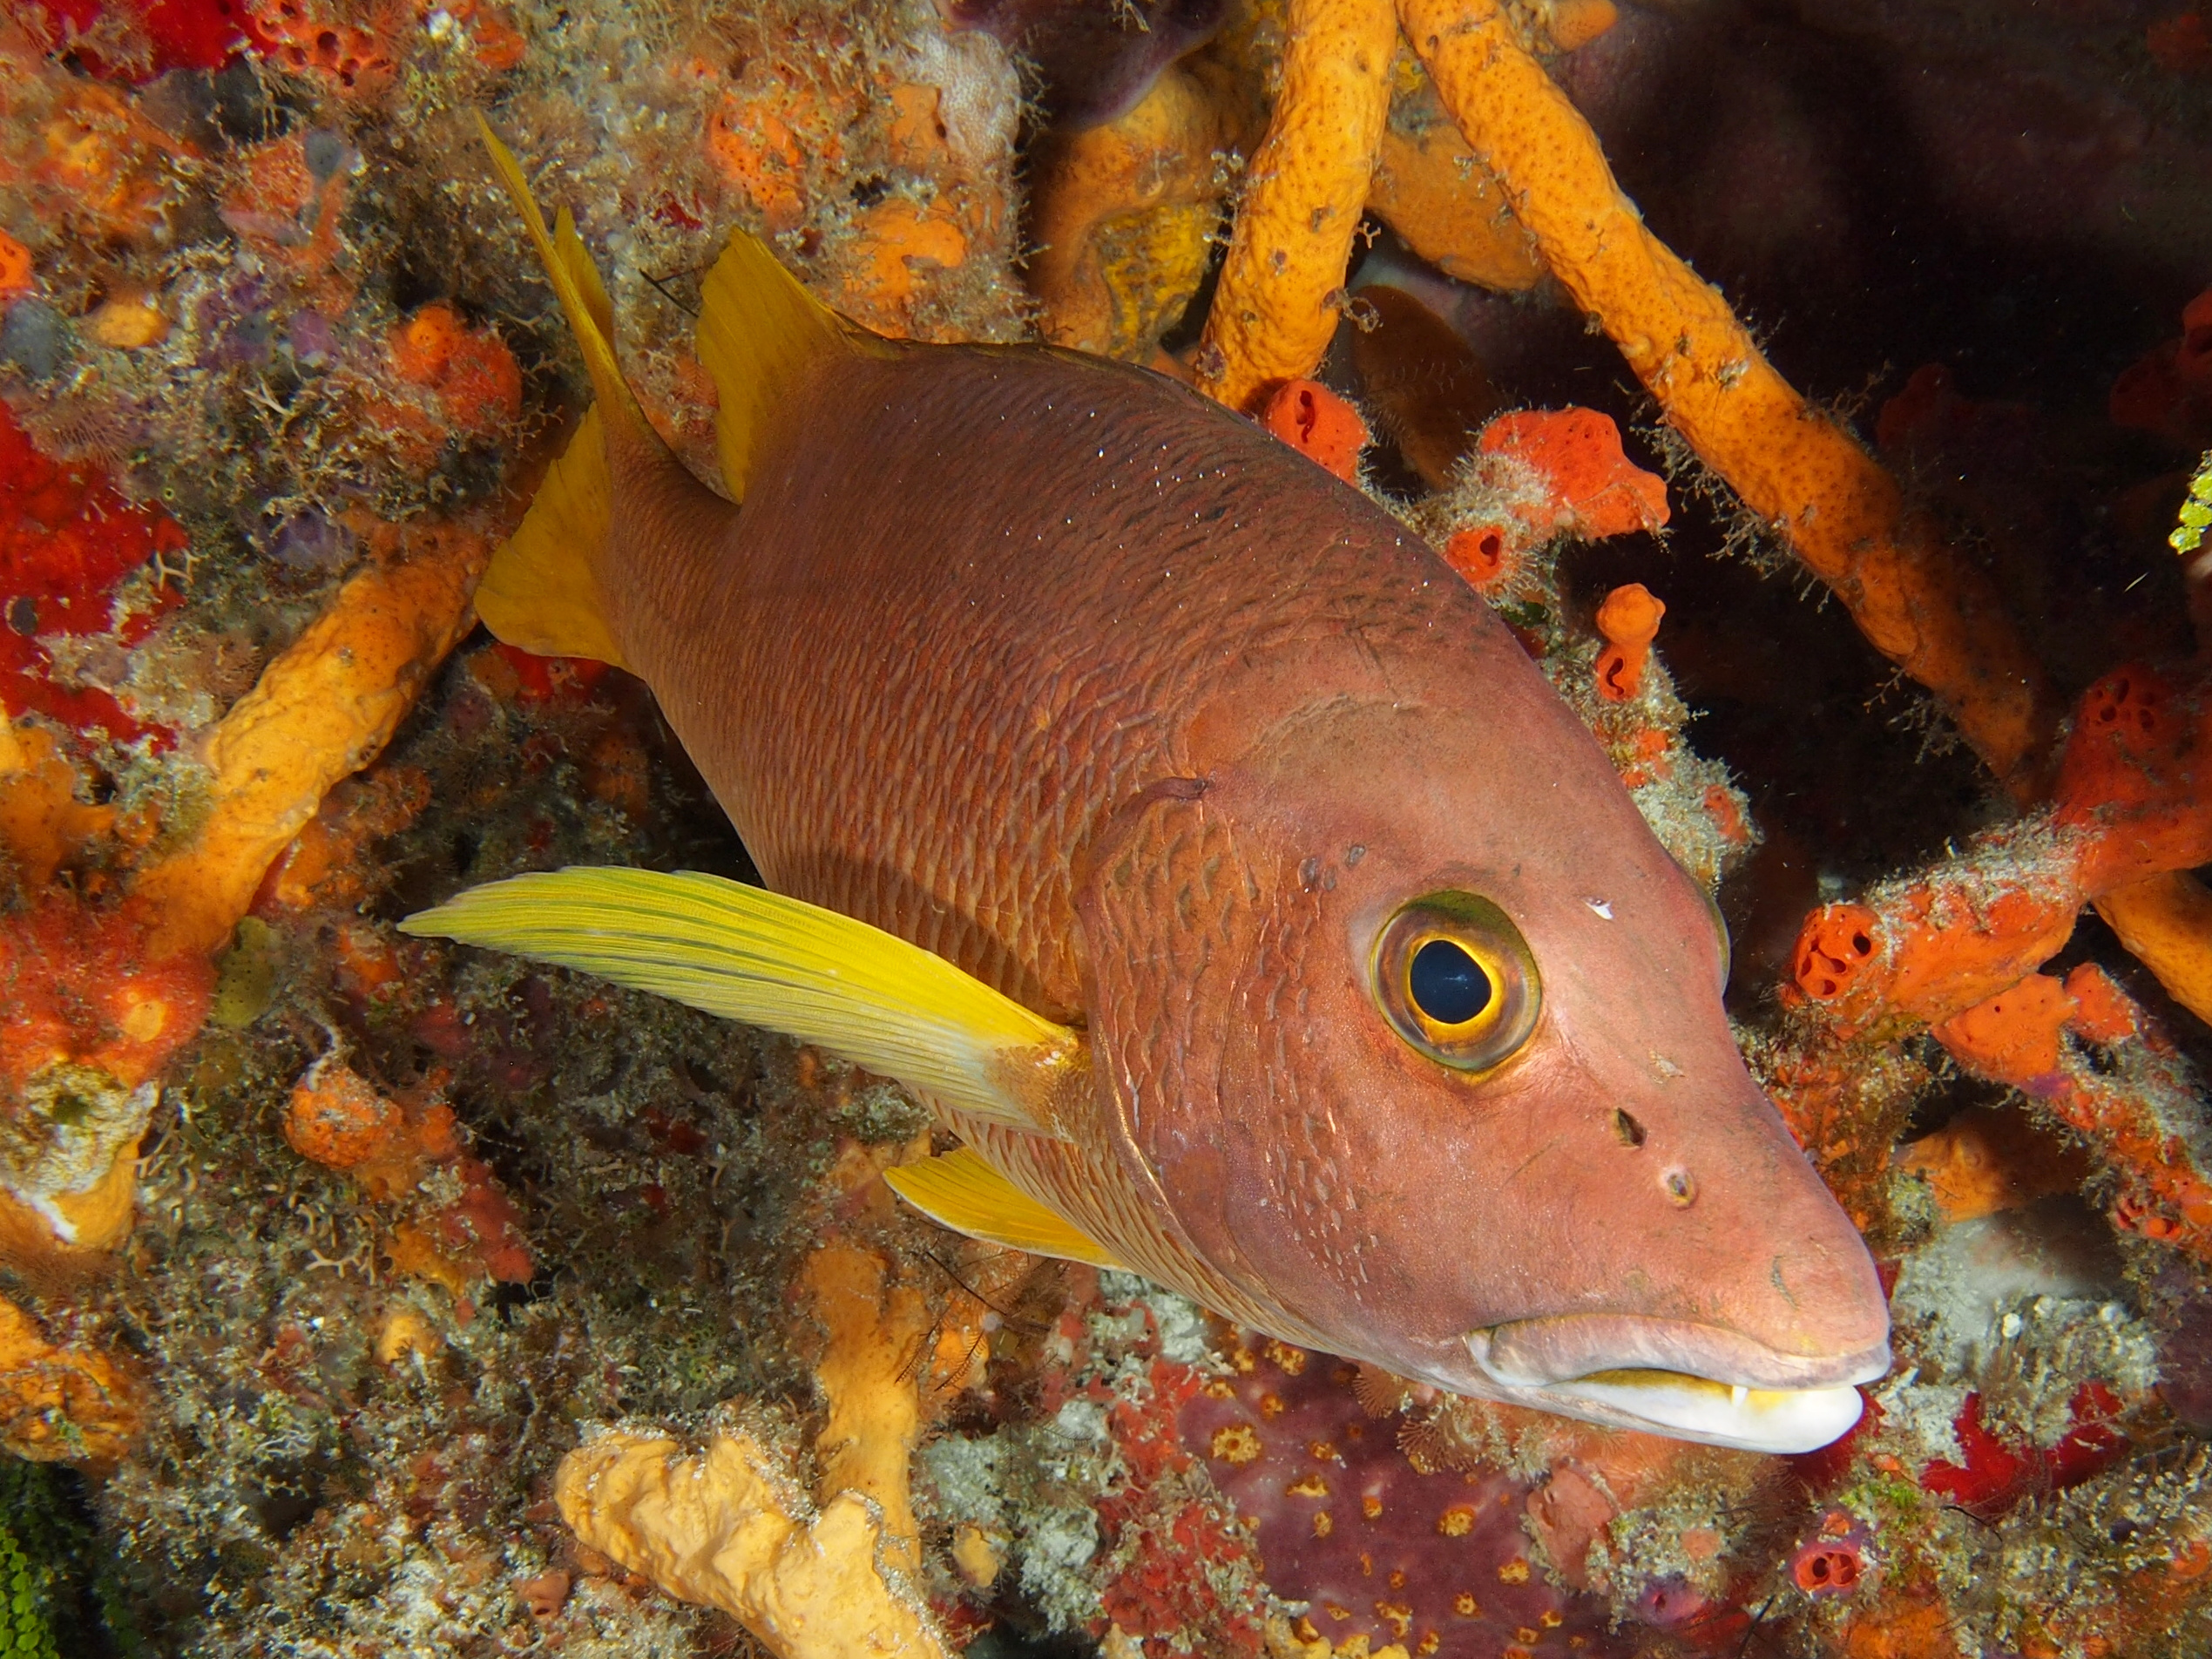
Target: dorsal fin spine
{"type": "Point", "coordinates": [576, 283]}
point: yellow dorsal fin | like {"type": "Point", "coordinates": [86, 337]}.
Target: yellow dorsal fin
{"type": "Point", "coordinates": [961, 1191]}
{"type": "Point", "coordinates": [748, 954]}
{"type": "Point", "coordinates": [542, 590]}
{"type": "Point", "coordinates": [758, 330]}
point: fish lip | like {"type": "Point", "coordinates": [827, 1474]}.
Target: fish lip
{"type": "Point", "coordinates": [1560, 1348]}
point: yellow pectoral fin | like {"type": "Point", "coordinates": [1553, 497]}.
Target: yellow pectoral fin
{"type": "Point", "coordinates": [751, 955]}
{"type": "Point", "coordinates": [961, 1191]}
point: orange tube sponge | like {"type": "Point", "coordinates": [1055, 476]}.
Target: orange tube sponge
{"type": "Point", "coordinates": [1629, 620]}
{"type": "Point", "coordinates": [1317, 423]}
{"type": "Point", "coordinates": [1840, 513]}
{"type": "Point", "coordinates": [323, 710]}
{"type": "Point", "coordinates": [2130, 769]}
{"type": "Point", "coordinates": [1276, 305]}
{"type": "Point", "coordinates": [2166, 922]}
{"type": "Point", "coordinates": [1124, 214]}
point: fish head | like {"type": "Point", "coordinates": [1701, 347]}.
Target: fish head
{"type": "Point", "coordinates": [1416, 1031]}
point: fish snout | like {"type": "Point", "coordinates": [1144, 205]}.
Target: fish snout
{"type": "Point", "coordinates": [1559, 1347]}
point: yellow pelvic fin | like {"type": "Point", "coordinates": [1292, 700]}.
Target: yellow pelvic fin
{"type": "Point", "coordinates": [758, 332]}
{"type": "Point", "coordinates": [963, 1192]}
{"type": "Point", "coordinates": [748, 954]}
{"type": "Point", "coordinates": [542, 591]}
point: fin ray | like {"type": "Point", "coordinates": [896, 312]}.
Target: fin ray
{"type": "Point", "coordinates": [575, 278]}
{"type": "Point", "coordinates": [747, 954]}
{"type": "Point", "coordinates": [960, 1190]}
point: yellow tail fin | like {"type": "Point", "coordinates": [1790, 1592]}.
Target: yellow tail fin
{"type": "Point", "coordinates": [543, 590]}
{"type": "Point", "coordinates": [758, 330]}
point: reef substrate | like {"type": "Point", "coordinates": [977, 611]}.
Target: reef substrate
{"type": "Point", "coordinates": [362, 1297]}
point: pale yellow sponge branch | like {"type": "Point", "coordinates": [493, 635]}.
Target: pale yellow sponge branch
{"type": "Point", "coordinates": [867, 1375]}
{"type": "Point", "coordinates": [729, 1529]}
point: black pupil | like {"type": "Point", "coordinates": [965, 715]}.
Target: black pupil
{"type": "Point", "coordinates": [1449, 987]}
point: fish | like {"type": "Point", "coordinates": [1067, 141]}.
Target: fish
{"type": "Point", "coordinates": [1202, 849]}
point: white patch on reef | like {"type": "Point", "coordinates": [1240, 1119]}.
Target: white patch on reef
{"type": "Point", "coordinates": [966, 1472]}
{"type": "Point", "coordinates": [1184, 1339]}
{"type": "Point", "coordinates": [1950, 1292]}
{"type": "Point", "coordinates": [1927, 1414]}
{"type": "Point", "coordinates": [2022, 1307]}
{"type": "Point", "coordinates": [978, 92]}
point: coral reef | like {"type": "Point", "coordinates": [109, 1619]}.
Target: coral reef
{"type": "Point", "coordinates": [1380, 1547]}
{"type": "Point", "coordinates": [359, 1296]}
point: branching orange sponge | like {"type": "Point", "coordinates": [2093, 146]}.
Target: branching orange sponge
{"type": "Point", "coordinates": [1277, 302]}
{"type": "Point", "coordinates": [1802, 473]}
{"type": "Point", "coordinates": [2137, 1110]}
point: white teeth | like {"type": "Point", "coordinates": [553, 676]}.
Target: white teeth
{"type": "Point", "coordinates": [1739, 1394]}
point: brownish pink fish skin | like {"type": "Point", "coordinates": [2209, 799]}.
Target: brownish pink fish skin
{"type": "Point", "coordinates": [1055, 669]}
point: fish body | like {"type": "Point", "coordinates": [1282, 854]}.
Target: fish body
{"type": "Point", "coordinates": [1375, 1015]}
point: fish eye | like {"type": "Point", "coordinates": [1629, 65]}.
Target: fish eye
{"type": "Point", "coordinates": [1456, 979]}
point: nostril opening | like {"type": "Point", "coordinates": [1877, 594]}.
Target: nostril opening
{"type": "Point", "coordinates": [1681, 1187]}
{"type": "Point", "coordinates": [1627, 1130]}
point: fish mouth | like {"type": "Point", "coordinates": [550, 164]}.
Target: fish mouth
{"type": "Point", "coordinates": [1690, 1382]}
